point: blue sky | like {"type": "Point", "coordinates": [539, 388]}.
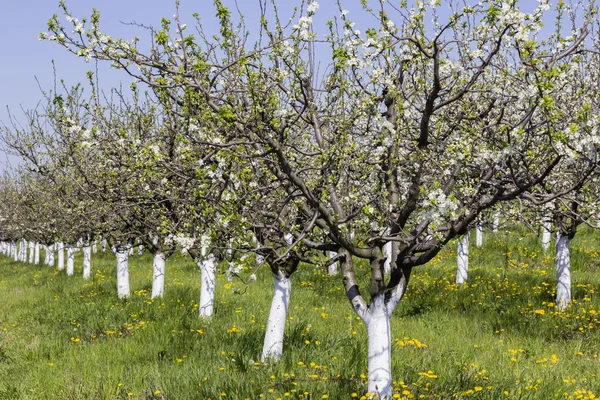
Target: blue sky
{"type": "Point", "coordinates": [25, 57]}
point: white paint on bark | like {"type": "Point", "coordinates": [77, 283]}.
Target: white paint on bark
{"type": "Point", "coordinates": [379, 348]}
{"type": "Point", "coordinates": [31, 252]}
{"type": "Point", "coordinates": [70, 260]}
{"type": "Point", "coordinates": [50, 252]}
{"type": "Point", "coordinates": [273, 343]}
{"type": "Point", "coordinates": [122, 254]}
{"type": "Point", "coordinates": [387, 253]}
{"type": "Point", "coordinates": [546, 234]}
{"type": "Point", "coordinates": [158, 275]}
{"type": "Point", "coordinates": [563, 272]}
{"type": "Point", "coordinates": [36, 257]}
{"type": "Point", "coordinates": [140, 250]}
{"type": "Point", "coordinates": [333, 268]}
{"type": "Point", "coordinates": [87, 261]}
{"type": "Point", "coordinates": [478, 235]}
{"type": "Point", "coordinates": [208, 273]}
{"type": "Point", "coordinates": [496, 222]}
{"type": "Point", "coordinates": [462, 260]}
{"type": "Point", "coordinates": [61, 255]}
{"type": "Point", "coordinates": [15, 253]}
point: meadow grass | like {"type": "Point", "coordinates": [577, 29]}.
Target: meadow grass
{"type": "Point", "coordinates": [498, 336]}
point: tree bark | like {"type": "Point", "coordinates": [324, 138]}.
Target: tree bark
{"type": "Point", "coordinates": [387, 253]}
{"type": "Point", "coordinates": [87, 261]}
{"type": "Point", "coordinates": [70, 260]}
{"type": "Point", "coordinates": [158, 275]}
{"type": "Point", "coordinates": [333, 268]}
{"type": "Point", "coordinates": [563, 272]}
{"type": "Point", "coordinates": [273, 343]}
{"type": "Point", "coordinates": [36, 258]}
{"type": "Point", "coordinates": [61, 255]}
{"type": "Point", "coordinates": [478, 235]}
{"type": "Point", "coordinates": [462, 260]}
{"type": "Point", "coordinates": [50, 254]}
{"type": "Point", "coordinates": [122, 254]}
{"type": "Point", "coordinates": [546, 228]}
{"type": "Point", "coordinates": [208, 275]}
{"type": "Point", "coordinates": [379, 348]}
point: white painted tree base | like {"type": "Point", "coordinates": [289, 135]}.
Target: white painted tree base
{"type": "Point", "coordinates": [546, 236]}
{"type": "Point", "coordinates": [61, 255]}
{"type": "Point", "coordinates": [379, 349]}
{"type": "Point", "coordinates": [158, 275]}
{"type": "Point", "coordinates": [208, 272]}
{"type": "Point", "coordinates": [563, 272]}
{"type": "Point", "coordinates": [273, 343]}
{"type": "Point", "coordinates": [122, 272]}
{"type": "Point", "coordinates": [70, 260]}
{"type": "Point", "coordinates": [462, 260]}
{"type": "Point", "coordinates": [87, 261]}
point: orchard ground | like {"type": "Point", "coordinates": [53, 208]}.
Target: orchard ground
{"type": "Point", "coordinates": [499, 336]}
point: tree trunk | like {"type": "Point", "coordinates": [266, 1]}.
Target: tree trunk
{"type": "Point", "coordinates": [87, 261]}
{"type": "Point", "coordinates": [36, 258]}
{"type": "Point", "coordinates": [333, 268]}
{"type": "Point", "coordinates": [273, 344]}
{"type": "Point", "coordinates": [208, 272]}
{"type": "Point", "coordinates": [462, 260]}
{"type": "Point", "coordinates": [141, 251]}
{"type": "Point", "coordinates": [50, 253]}
{"type": "Point", "coordinates": [94, 248]}
{"type": "Point", "coordinates": [478, 235]}
{"type": "Point", "coordinates": [387, 253]}
{"type": "Point", "coordinates": [70, 260]}
{"type": "Point", "coordinates": [122, 254]}
{"type": "Point", "coordinates": [158, 275]}
{"type": "Point", "coordinates": [563, 272]}
{"type": "Point", "coordinates": [61, 255]}
{"type": "Point", "coordinates": [379, 348]}
{"type": "Point", "coordinates": [15, 253]}
{"type": "Point", "coordinates": [546, 228]}
{"type": "Point", "coordinates": [31, 251]}
{"type": "Point", "coordinates": [103, 243]}
{"type": "Point", "coordinates": [496, 222]}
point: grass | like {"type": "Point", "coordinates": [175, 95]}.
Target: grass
{"type": "Point", "coordinates": [499, 336]}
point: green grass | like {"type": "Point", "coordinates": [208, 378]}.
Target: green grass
{"type": "Point", "coordinates": [499, 336]}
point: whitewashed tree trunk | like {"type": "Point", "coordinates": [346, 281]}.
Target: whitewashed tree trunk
{"type": "Point", "coordinates": [122, 254]}
{"type": "Point", "coordinates": [462, 260]}
{"type": "Point", "coordinates": [36, 258]}
{"type": "Point", "coordinates": [563, 272]}
{"type": "Point", "coordinates": [23, 251]}
{"type": "Point", "coordinates": [546, 234]}
{"type": "Point", "coordinates": [46, 255]}
{"type": "Point", "coordinates": [273, 344]}
{"type": "Point", "coordinates": [94, 248]}
{"type": "Point", "coordinates": [140, 250]}
{"type": "Point", "coordinates": [61, 255]}
{"type": "Point", "coordinates": [103, 243]}
{"type": "Point", "coordinates": [332, 269]}
{"type": "Point", "coordinates": [158, 275]}
{"type": "Point", "coordinates": [70, 260]}
{"type": "Point", "coordinates": [387, 253]}
{"type": "Point", "coordinates": [50, 252]}
{"type": "Point", "coordinates": [478, 235]}
{"type": "Point", "coordinates": [14, 251]}
{"type": "Point", "coordinates": [208, 272]}
{"type": "Point", "coordinates": [496, 222]}
{"type": "Point", "coordinates": [31, 251]}
{"type": "Point", "coordinates": [379, 348]}
{"type": "Point", "coordinates": [87, 261]}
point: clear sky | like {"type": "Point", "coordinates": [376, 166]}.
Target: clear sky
{"type": "Point", "coordinates": [24, 57]}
